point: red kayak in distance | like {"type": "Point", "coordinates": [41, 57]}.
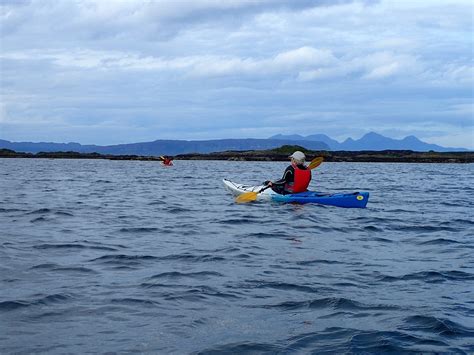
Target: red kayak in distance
{"type": "Point", "coordinates": [166, 161]}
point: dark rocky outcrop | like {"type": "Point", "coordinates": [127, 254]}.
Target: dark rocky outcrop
{"type": "Point", "coordinates": [277, 154]}
{"type": "Point", "coordinates": [8, 153]}
{"type": "Point", "coordinates": [386, 156]}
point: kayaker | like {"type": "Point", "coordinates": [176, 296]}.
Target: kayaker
{"type": "Point", "coordinates": [166, 160]}
{"type": "Point", "coordinates": [296, 177]}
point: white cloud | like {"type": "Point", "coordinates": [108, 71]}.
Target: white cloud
{"type": "Point", "coordinates": [383, 71]}
{"type": "Point", "coordinates": [459, 73]}
{"type": "Point", "coordinates": [304, 56]}
{"type": "Point", "coordinates": [205, 65]}
{"type": "Point", "coordinates": [385, 64]}
{"type": "Point", "coordinates": [305, 63]}
{"type": "Point", "coordinates": [377, 65]}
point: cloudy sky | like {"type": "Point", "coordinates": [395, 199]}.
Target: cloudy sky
{"type": "Point", "coordinates": [120, 71]}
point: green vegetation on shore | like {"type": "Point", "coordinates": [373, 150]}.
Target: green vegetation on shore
{"type": "Point", "coordinates": [277, 154]}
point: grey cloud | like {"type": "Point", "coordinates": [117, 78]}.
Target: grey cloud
{"type": "Point", "coordinates": [116, 21]}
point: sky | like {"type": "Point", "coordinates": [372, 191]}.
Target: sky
{"type": "Point", "coordinates": [122, 71]}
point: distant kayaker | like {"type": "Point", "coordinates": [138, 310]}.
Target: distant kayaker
{"type": "Point", "coordinates": [296, 177]}
{"type": "Point", "coordinates": [165, 160]}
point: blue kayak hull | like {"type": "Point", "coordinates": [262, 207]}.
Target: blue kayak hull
{"type": "Point", "coordinates": [348, 200]}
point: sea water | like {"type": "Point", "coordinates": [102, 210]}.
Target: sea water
{"type": "Point", "coordinates": [104, 256]}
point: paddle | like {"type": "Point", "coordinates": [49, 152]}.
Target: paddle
{"type": "Point", "coordinates": [252, 195]}
{"type": "Point", "coordinates": [315, 163]}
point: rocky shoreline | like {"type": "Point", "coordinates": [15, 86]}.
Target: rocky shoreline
{"type": "Point", "coordinates": [386, 156]}
{"type": "Point", "coordinates": [278, 154]}
{"type": "Point", "coordinates": [7, 153]}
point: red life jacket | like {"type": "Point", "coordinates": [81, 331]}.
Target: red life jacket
{"type": "Point", "coordinates": [301, 181]}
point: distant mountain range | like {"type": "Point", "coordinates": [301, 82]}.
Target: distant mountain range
{"type": "Point", "coordinates": [161, 147]}
{"type": "Point", "coordinates": [371, 141]}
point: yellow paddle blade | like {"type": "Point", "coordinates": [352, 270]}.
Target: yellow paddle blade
{"type": "Point", "coordinates": [247, 197]}
{"type": "Point", "coordinates": [315, 163]}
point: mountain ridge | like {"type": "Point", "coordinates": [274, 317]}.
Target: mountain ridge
{"type": "Point", "coordinates": [374, 141]}
{"type": "Point", "coordinates": [160, 147]}
{"type": "Point", "coordinates": [370, 141]}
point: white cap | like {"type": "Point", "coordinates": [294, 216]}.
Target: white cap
{"type": "Point", "coordinates": [298, 156]}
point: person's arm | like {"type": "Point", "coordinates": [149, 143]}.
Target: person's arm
{"type": "Point", "coordinates": [287, 177]}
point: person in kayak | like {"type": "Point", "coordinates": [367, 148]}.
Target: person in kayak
{"type": "Point", "coordinates": [296, 177]}
{"type": "Point", "coordinates": [166, 160]}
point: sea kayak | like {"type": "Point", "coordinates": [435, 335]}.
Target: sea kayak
{"type": "Point", "coordinates": [348, 200]}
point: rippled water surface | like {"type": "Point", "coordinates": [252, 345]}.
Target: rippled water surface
{"type": "Point", "coordinates": [127, 256]}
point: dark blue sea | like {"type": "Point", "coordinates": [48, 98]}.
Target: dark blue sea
{"type": "Point", "coordinates": [101, 256]}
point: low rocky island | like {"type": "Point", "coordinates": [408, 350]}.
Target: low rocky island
{"type": "Point", "coordinates": [384, 156]}
{"type": "Point", "coordinates": [7, 153]}
{"type": "Point", "coordinates": [277, 154]}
